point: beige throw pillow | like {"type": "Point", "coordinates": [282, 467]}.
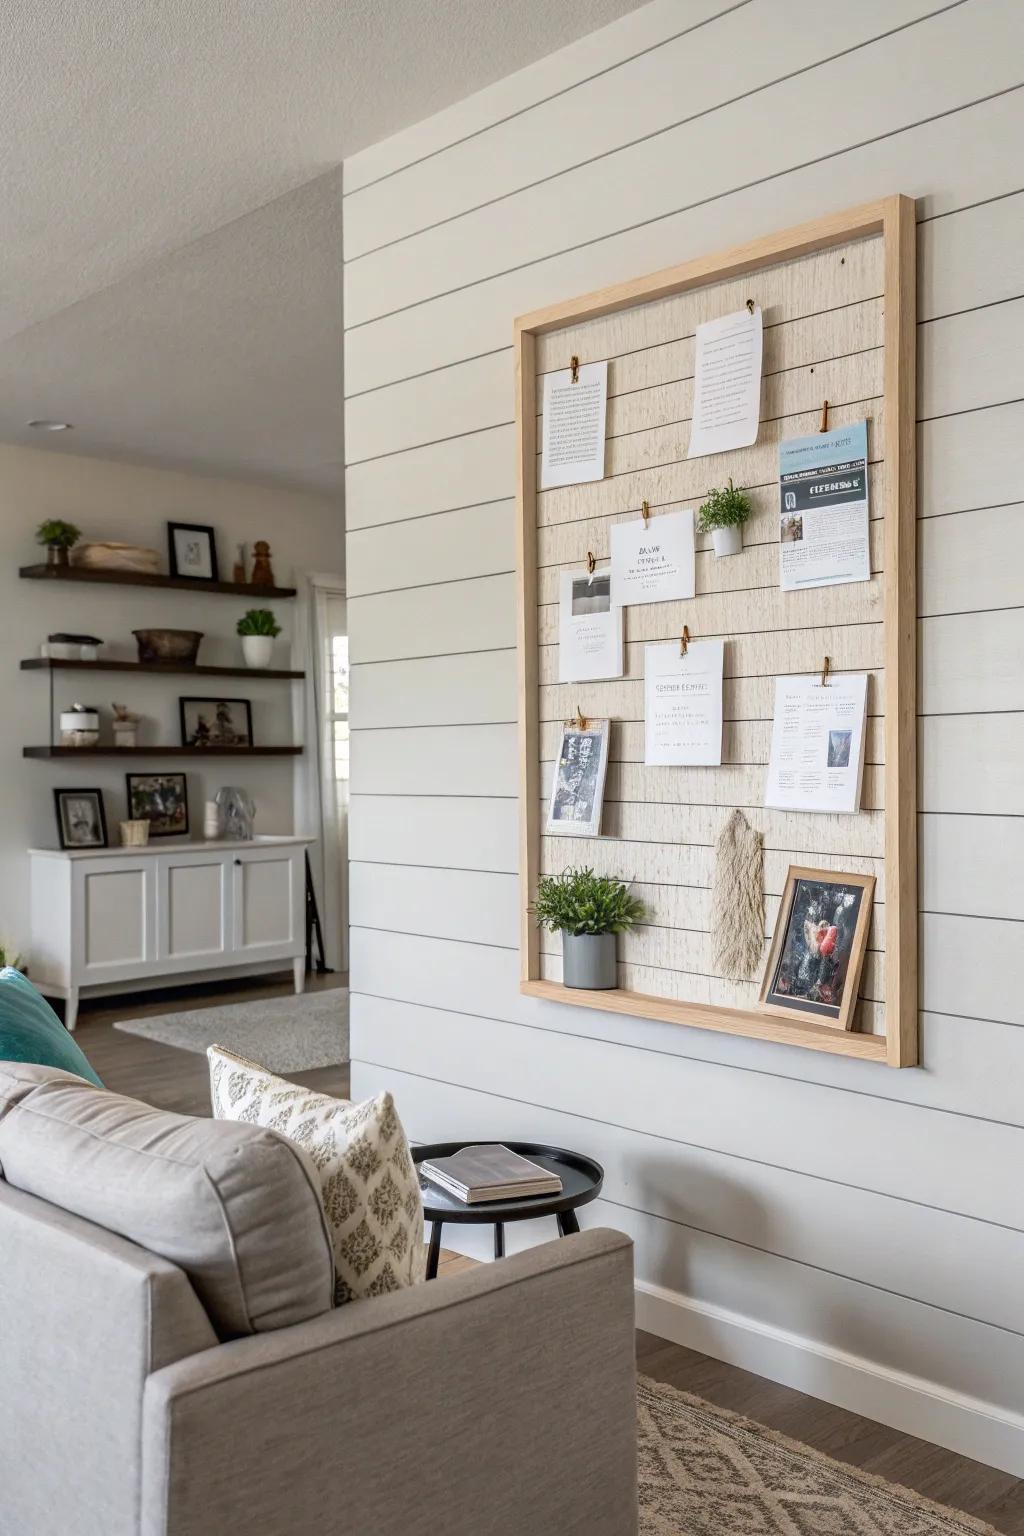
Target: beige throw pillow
{"type": "Point", "coordinates": [370, 1187]}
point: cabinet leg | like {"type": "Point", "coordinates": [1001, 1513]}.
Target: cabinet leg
{"type": "Point", "coordinates": [299, 972]}
{"type": "Point", "coordinates": [71, 1010]}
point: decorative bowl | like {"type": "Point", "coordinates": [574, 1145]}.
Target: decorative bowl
{"type": "Point", "coordinates": [111, 556]}
{"type": "Point", "coordinates": [178, 645]}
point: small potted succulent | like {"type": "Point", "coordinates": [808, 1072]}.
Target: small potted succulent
{"type": "Point", "coordinates": [588, 910]}
{"type": "Point", "coordinates": [58, 537]}
{"type": "Point", "coordinates": [723, 516]}
{"type": "Point", "coordinates": [258, 629]}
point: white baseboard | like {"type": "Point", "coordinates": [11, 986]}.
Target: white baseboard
{"type": "Point", "coordinates": [981, 1430]}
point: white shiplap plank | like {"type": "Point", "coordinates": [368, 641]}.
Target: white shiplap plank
{"type": "Point", "coordinates": [444, 760]}
{"type": "Point", "coordinates": [969, 663]}
{"type": "Point", "coordinates": [970, 966]}
{"type": "Point", "coordinates": [883, 87]}
{"type": "Point", "coordinates": [946, 163]}
{"type": "Point", "coordinates": [439, 620]}
{"type": "Point", "coordinates": [450, 546]}
{"type": "Point", "coordinates": [972, 764]}
{"type": "Point", "coordinates": [972, 561]}
{"type": "Point", "coordinates": [463, 472]}
{"type": "Point", "coordinates": [476, 689]}
{"type": "Point", "coordinates": [972, 257]}
{"type": "Point", "coordinates": [474, 906]}
{"type": "Point", "coordinates": [970, 460]}
{"type": "Point", "coordinates": [970, 865]}
{"type": "Point", "coordinates": [475, 394]}
{"type": "Point", "coordinates": [442, 832]}
{"type": "Point", "coordinates": [970, 360]}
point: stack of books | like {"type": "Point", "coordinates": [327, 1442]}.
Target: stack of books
{"type": "Point", "coordinates": [490, 1173]}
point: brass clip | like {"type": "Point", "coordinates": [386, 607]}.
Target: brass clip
{"type": "Point", "coordinates": [824, 417]}
{"type": "Point", "coordinates": [684, 640]}
{"type": "Point", "coordinates": [645, 511]}
{"type": "Point", "coordinates": [826, 668]}
{"type": "Point", "coordinates": [591, 562]}
{"type": "Point", "coordinates": [574, 367]}
{"type": "Point", "coordinates": [750, 306]}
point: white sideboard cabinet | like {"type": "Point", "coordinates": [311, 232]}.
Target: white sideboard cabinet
{"type": "Point", "coordinates": [105, 918]}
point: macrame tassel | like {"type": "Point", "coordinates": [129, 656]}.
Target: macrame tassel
{"type": "Point", "coordinates": [737, 900]}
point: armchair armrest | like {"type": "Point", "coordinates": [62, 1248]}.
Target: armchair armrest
{"type": "Point", "coordinates": [499, 1402]}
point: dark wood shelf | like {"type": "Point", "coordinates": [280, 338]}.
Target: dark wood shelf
{"type": "Point", "coordinates": [51, 664]}
{"type": "Point", "coordinates": [160, 751]}
{"type": "Point", "coordinates": [79, 573]}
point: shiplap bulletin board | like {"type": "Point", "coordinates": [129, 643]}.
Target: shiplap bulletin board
{"type": "Point", "coordinates": [838, 302]}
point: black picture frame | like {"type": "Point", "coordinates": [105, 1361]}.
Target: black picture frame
{"type": "Point", "coordinates": [59, 796]}
{"type": "Point", "coordinates": [136, 813]}
{"type": "Point", "coordinates": [201, 529]}
{"type": "Point", "coordinates": [214, 737]}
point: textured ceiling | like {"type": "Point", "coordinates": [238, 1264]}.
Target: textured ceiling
{"type": "Point", "coordinates": [170, 207]}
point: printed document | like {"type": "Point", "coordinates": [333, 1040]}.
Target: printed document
{"type": "Point", "coordinates": [683, 703]}
{"type": "Point", "coordinates": [823, 509]}
{"type": "Point", "coordinates": [817, 753]}
{"type": "Point", "coordinates": [727, 391]}
{"type": "Point", "coordinates": [653, 562]}
{"type": "Point", "coordinates": [572, 439]}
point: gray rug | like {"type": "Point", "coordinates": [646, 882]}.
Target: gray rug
{"type": "Point", "coordinates": [284, 1034]}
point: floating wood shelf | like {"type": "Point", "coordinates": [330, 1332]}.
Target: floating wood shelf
{"type": "Point", "coordinates": [79, 573]}
{"type": "Point", "coordinates": [160, 751]}
{"type": "Point", "coordinates": [52, 664]}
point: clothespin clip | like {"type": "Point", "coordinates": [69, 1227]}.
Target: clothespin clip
{"type": "Point", "coordinates": [591, 562]}
{"type": "Point", "coordinates": [824, 417]}
{"type": "Point", "coordinates": [645, 511]}
{"type": "Point", "coordinates": [684, 640]}
{"type": "Point", "coordinates": [826, 667]}
{"type": "Point", "coordinates": [574, 368]}
{"type": "Point", "coordinates": [750, 306]}
{"type": "Point", "coordinates": [581, 719]}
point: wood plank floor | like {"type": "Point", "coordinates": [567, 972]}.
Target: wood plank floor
{"type": "Point", "coordinates": [178, 1080]}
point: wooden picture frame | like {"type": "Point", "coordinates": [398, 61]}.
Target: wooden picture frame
{"type": "Point", "coordinates": [214, 721]}
{"type": "Point", "coordinates": [892, 221]}
{"type": "Point", "coordinates": [828, 952]}
{"type": "Point", "coordinates": [98, 821]}
{"type": "Point", "coordinates": [136, 783]}
{"type": "Point", "coordinates": [203, 534]}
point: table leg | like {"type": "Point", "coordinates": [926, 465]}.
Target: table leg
{"type": "Point", "coordinates": [434, 1250]}
{"type": "Point", "coordinates": [567, 1223]}
{"type": "Point", "coordinates": [499, 1239]}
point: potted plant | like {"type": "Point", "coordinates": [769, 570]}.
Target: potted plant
{"type": "Point", "coordinates": [723, 516]}
{"type": "Point", "coordinates": [258, 629]}
{"type": "Point", "coordinates": [588, 910]}
{"type": "Point", "coordinates": [58, 537]}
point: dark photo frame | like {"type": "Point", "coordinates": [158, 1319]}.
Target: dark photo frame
{"type": "Point", "coordinates": [192, 551]}
{"type": "Point", "coordinates": [81, 818]}
{"type": "Point", "coordinates": [215, 723]}
{"type": "Point", "coordinates": [161, 799]}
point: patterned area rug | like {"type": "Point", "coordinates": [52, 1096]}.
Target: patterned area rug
{"type": "Point", "coordinates": [706, 1472]}
{"type": "Point", "coordinates": [283, 1034]}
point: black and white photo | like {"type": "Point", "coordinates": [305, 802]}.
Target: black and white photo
{"type": "Point", "coordinates": [213, 722]}
{"type": "Point", "coordinates": [192, 548]}
{"type": "Point", "coordinates": [161, 799]}
{"type": "Point", "coordinates": [81, 818]}
{"type": "Point", "coordinates": [577, 785]}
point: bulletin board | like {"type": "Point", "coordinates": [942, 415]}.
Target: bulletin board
{"type": "Point", "coordinates": [838, 302]}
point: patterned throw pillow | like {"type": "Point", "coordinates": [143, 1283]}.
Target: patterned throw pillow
{"type": "Point", "coordinates": [370, 1187]}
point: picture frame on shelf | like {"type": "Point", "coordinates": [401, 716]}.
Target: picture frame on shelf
{"type": "Point", "coordinates": [215, 722]}
{"type": "Point", "coordinates": [81, 818]}
{"type": "Point", "coordinates": [161, 799]}
{"type": "Point", "coordinates": [192, 551]}
{"type": "Point", "coordinates": [817, 953]}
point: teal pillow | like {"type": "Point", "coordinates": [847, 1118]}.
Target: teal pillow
{"type": "Point", "coordinates": [31, 1031]}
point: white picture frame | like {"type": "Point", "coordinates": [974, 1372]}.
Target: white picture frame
{"type": "Point", "coordinates": [578, 775]}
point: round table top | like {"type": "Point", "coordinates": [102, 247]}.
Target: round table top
{"type": "Point", "coordinates": [581, 1180]}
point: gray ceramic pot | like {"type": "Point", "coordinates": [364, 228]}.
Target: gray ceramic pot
{"type": "Point", "coordinates": [588, 961]}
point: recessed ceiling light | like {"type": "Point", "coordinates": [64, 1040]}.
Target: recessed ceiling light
{"type": "Point", "coordinates": [51, 426]}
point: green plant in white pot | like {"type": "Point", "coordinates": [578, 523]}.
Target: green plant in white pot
{"type": "Point", "coordinates": [258, 629]}
{"type": "Point", "coordinates": [723, 516]}
{"type": "Point", "coordinates": [588, 910]}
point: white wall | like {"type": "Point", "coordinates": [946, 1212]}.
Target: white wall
{"type": "Point", "coordinates": [128, 502]}
{"type": "Point", "coordinates": [854, 1230]}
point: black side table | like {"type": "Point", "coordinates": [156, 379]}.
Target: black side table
{"type": "Point", "coordinates": [581, 1178]}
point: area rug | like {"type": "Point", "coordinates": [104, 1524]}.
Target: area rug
{"type": "Point", "coordinates": [707, 1472]}
{"type": "Point", "coordinates": [285, 1034]}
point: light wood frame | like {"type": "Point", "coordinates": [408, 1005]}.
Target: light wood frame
{"type": "Point", "coordinates": [844, 1015]}
{"type": "Point", "coordinates": [892, 218]}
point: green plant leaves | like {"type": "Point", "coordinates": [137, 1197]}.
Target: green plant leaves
{"type": "Point", "coordinates": [579, 902]}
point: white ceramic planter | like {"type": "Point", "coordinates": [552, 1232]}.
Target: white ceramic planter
{"type": "Point", "coordinates": [257, 650]}
{"type": "Point", "coordinates": [728, 541]}
{"type": "Point", "coordinates": [588, 961]}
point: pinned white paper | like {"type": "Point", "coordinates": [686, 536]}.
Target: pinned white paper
{"type": "Point", "coordinates": [824, 536]}
{"type": "Point", "coordinates": [683, 703]}
{"type": "Point", "coordinates": [589, 628]}
{"type": "Point", "coordinates": [572, 438]}
{"type": "Point", "coordinates": [727, 390]}
{"type": "Point", "coordinates": [653, 561]}
{"type": "Point", "coordinates": [817, 756]}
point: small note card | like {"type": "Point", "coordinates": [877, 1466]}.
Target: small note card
{"type": "Point", "coordinates": [652, 561]}
{"type": "Point", "coordinates": [817, 754]}
{"type": "Point", "coordinates": [572, 441]}
{"type": "Point", "coordinates": [589, 628]}
{"type": "Point", "coordinates": [727, 391]}
{"type": "Point", "coordinates": [683, 703]}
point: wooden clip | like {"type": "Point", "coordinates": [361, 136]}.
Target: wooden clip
{"type": "Point", "coordinates": [645, 511]}
{"type": "Point", "coordinates": [591, 562]}
{"type": "Point", "coordinates": [824, 417]}
{"type": "Point", "coordinates": [750, 306]}
{"type": "Point", "coordinates": [574, 368]}
{"type": "Point", "coordinates": [578, 722]}
{"type": "Point", "coordinates": [826, 667]}
{"type": "Point", "coordinates": [684, 640]}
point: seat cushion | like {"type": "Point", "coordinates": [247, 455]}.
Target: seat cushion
{"type": "Point", "coordinates": [237, 1207]}
{"type": "Point", "coordinates": [31, 1031]}
{"type": "Point", "coordinates": [370, 1188]}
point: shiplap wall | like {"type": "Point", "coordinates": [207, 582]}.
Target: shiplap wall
{"type": "Point", "coordinates": [856, 1230]}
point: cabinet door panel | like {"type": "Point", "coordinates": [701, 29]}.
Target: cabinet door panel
{"type": "Point", "coordinates": [114, 920]}
{"type": "Point", "coordinates": [268, 891]}
{"type": "Point", "coordinates": [194, 928]}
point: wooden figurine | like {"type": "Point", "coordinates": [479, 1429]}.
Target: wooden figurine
{"type": "Point", "coordinates": [262, 571]}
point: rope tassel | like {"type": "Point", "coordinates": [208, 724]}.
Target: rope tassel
{"type": "Point", "coordinates": [737, 900]}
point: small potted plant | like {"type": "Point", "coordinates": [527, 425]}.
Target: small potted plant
{"type": "Point", "coordinates": [588, 910]}
{"type": "Point", "coordinates": [723, 516]}
{"type": "Point", "coordinates": [58, 537]}
{"type": "Point", "coordinates": [258, 629]}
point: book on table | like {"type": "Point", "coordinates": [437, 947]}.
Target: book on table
{"type": "Point", "coordinates": [475, 1174]}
